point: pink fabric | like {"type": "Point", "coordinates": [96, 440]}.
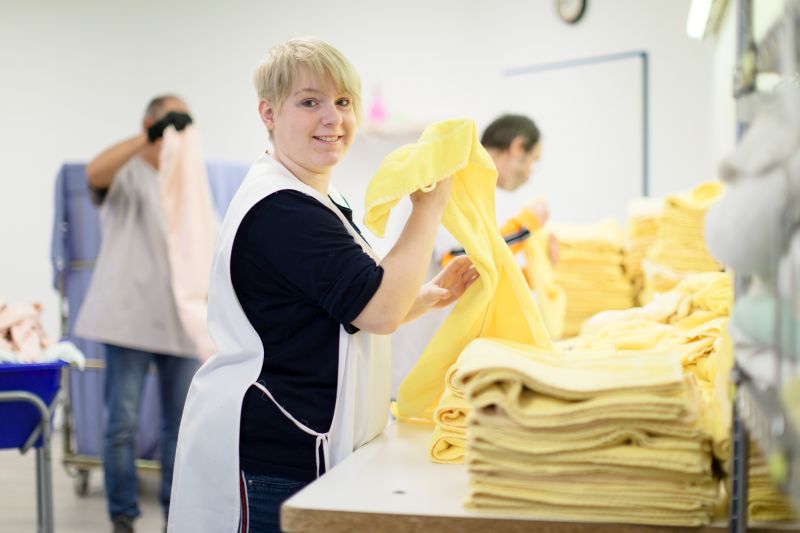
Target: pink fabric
{"type": "Point", "coordinates": [21, 330]}
{"type": "Point", "coordinates": [191, 229]}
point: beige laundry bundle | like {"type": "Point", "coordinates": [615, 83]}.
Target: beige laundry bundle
{"type": "Point", "coordinates": [641, 232]}
{"type": "Point", "coordinates": [593, 435]}
{"type": "Point", "coordinates": [22, 337]}
{"type": "Point", "coordinates": [680, 247]}
{"type": "Point", "coordinates": [590, 271]}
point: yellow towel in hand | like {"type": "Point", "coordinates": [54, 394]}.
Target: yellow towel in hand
{"type": "Point", "coordinates": [499, 304]}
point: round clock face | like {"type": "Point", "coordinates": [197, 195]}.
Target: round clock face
{"type": "Point", "coordinates": [571, 11]}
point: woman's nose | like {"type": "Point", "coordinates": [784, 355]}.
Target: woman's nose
{"type": "Point", "coordinates": [331, 116]}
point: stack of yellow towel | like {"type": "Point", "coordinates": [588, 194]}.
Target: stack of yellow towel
{"type": "Point", "coordinates": [680, 247]}
{"type": "Point", "coordinates": [593, 435]}
{"type": "Point", "coordinates": [690, 320]}
{"type": "Point", "coordinates": [641, 232]}
{"type": "Point", "coordinates": [590, 271]}
{"type": "Point", "coordinates": [765, 502]}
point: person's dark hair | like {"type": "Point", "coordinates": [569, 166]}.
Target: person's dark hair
{"type": "Point", "coordinates": [155, 108]}
{"type": "Point", "coordinates": [506, 128]}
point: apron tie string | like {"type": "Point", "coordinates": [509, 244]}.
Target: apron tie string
{"type": "Point", "coordinates": [322, 438]}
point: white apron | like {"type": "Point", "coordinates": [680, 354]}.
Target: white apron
{"type": "Point", "coordinates": [205, 485]}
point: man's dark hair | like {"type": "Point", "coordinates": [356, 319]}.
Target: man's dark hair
{"type": "Point", "coordinates": [155, 108]}
{"type": "Point", "coordinates": [506, 128]}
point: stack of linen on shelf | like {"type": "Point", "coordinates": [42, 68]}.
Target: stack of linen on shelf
{"type": "Point", "coordinates": [592, 435]}
{"type": "Point", "coordinates": [765, 502]}
{"type": "Point", "coordinates": [641, 233]}
{"type": "Point", "coordinates": [590, 271]}
{"type": "Point", "coordinates": [680, 247]}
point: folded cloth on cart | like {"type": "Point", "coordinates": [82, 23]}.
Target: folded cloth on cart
{"type": "Point", "coordinates": [60, 351]}
{"type": "Point", "coordinates": [21, 331]}
{"type": "Point", "coordinates": [24, 340]}
{"type": "Point", "coordinates": [500, 303]}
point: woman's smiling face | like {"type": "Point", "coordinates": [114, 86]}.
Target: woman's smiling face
{"type": "Point", "coordinates": [314, 127]}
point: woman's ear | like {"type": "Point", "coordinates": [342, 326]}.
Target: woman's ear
{"type": "Point", "coordinates": [267, 114]}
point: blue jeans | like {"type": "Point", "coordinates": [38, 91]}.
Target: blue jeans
{"type": "Point", "coordinates": [261, 507]}
{"type": "Point", "coordinates": [126, 369]}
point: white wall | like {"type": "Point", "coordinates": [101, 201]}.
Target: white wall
{"type": "Point", "coordinates": [77, 74]}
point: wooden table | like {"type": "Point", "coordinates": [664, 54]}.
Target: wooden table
{"type": "Point", "coordinates": [391, 485]}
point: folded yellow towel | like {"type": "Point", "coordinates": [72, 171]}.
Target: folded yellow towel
{"type": "Point", "coordinates": [447, 446]}
{"type": "Point", "coordinates": [675, 460]}
{"type": "Point", "coordinates": [570, 375]}
{"type": "Point", "coordinates": [582, 496]}
{"type": "Point", "coordinates": [499, 304]}
{"type": "Point", "coordinates": [451, 413]}
{"type": "Point", "coordinates": [496, 500]}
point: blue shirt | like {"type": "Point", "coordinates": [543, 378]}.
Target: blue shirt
{"type": "Point", "coordinates": [298, 274]}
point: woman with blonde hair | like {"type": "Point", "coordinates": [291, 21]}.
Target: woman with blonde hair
{"type": "Point", "coordinates": [299, 307]}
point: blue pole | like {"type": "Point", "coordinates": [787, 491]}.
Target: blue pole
{"type": "Point", "coordinates": [645, 124]}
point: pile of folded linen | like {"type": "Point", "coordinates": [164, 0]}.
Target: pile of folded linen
{"type": "Point", "coordinates": [765, 502]}
{"type": "Point", "coordinates": [641, 232]}
{"type": "Point", "coordinates": [24, 340]}
{"type": "Point", "coordinates": [690, 320]}
{"type": "Point", "coordinates": [680, 246]}
{"type": "Point", "coordinates": [591, 435]}
{"type": "Point", "coordinates": [449, 438]}
{"type": "Point", "coordinates": [590, 271]}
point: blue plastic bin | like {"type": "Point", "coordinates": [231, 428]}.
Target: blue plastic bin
{"type": "Point", "coordinates": [19, 419]}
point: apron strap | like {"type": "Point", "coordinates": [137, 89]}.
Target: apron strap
{"type": "Point", "coordinates": [322, 438]}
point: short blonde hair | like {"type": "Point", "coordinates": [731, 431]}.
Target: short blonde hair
{"type": "Point", "coordinates": [275, 75]}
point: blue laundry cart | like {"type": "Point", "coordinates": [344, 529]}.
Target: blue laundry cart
{"type": "Point", "coordinates": [28, 395]}
{"type": "Point", "coordinates": [75, 243]}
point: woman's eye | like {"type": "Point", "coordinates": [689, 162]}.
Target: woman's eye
{"type": "Point", "coordinates": [345, 102]}
{"type": "Point", "coordinates": [308, 103]}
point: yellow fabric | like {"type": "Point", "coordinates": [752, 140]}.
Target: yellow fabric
{"type": "Point", "coordinates": [451, 413]}
{"type": "Point", "coordinates": [679, 248]}
{"type": "Point", "coordinates": [497, 499]}
{"type": "Point", "coordinates": [549, 296]}
{"type": "Point", "coordinates": [498, 304]}
{"type": "Point", "coordinates": [590, 271]}
{"type": "Point", "coordinates": [587, 433]}
{"type": "Point", "coordinates": [569, 375]}
{"type": "Point", "coordinates": [641, 233]}
{"type": "Point", "coordinates": [447, 446]}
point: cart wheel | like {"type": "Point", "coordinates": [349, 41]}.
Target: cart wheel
{"type": "Point", "coordinates": [81, 483]}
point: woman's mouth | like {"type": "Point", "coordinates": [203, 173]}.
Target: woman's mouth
{"type": "Point", "coordinates": [328, 138]}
